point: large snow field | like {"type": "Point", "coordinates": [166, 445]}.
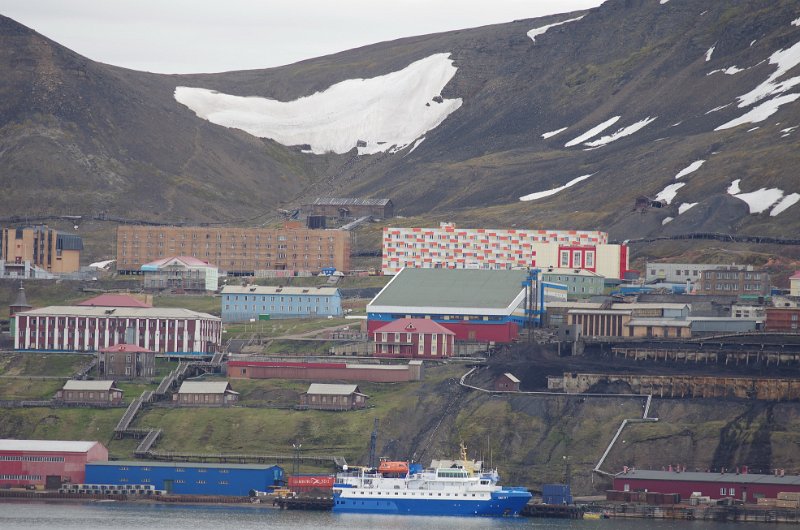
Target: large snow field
{"type": "Point", "coordinates": [668, 193]}
{"type": "Point", "coordinates": [387, 112]}
{"type": "Point", "coordinates": [761, 199]}
{"type": "Point", "coordinates": [785, 61]}
{"type": "Point", "coordinates": [783, 204]}
{"type": "Point", "coordinates": [760, 112]}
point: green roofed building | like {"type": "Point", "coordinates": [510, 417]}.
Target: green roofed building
{"type": "Point", "coordinates": [477, 305]}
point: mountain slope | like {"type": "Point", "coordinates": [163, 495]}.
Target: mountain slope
{"type": "Point", "coordinates": [639, 96]}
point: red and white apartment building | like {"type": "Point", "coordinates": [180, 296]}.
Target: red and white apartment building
{"type": "Point", "coordinates": [414, 337]}
{"type": "Point", "coordinates": [489, 248]}
{"type": "Point", "coordinates": [90, 328]}
{"type": "Point", "coordinates": [35, 462]}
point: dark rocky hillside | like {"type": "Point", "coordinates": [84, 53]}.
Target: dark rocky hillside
{"type": "Point", "coordinates": [78, 135]}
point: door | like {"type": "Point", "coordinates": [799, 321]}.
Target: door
{"type": "Point", "coordinates": [168, 485]}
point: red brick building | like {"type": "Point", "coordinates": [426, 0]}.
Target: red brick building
{"type": "Point", "coordinates": [413, 337]}
{"type": "Point", "coordinates": [785, 319]}
{"type": "Point", "coordinates": [375, 373]}
{"type": "Point", "coordinates": [39, 462]}
{"type": "Point", "coordinates": [506, 382]}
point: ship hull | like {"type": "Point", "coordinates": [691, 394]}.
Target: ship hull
{"type": "Point", "coordinates": [502, 504]}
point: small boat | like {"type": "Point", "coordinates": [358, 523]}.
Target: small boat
{"type": "Point", "coordinates": [406, 488]}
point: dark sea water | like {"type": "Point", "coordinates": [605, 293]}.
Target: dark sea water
{"type": "Point", "coordinates": [128, 516]}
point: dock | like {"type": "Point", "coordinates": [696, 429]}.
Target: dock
{"type": "Point", "coordinates": [553, 511]}
{"type": "Point", "coordinates": [304, 503]}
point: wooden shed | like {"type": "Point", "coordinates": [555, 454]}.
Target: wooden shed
{"type": "Point", "coordinates": [206, 394]}
{"type": "Point", "coordinates": [333, 397]}
{"type": "Point", "coordinates": [90, 392]}
{"type": "Point", "coordinates": [506, 382]}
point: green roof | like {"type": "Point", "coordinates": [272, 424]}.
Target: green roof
{"type": "Point", "coordinates": [452, 288]}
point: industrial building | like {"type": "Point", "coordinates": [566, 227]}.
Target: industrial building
{"type": "Point", "coordinates": [241, 304]}
{"type": "Point", "coordinates": [677, 272]}
{"type": "Point", "coordinates": [344, 208]}
{"type": "Point", "coordinates": [90, 328]}
{"type": "Point", "coordinates": [325, 371]}
{"type": "Point", "coordinates": [39, 247]}
{"type": "Point", "coordinates": [413, 337]}
{"type": "Point", "coordinates": [501, 249]}
{"type": "Point", "coordinates": [320, 396]}
{"type": "Point", "coordinates": [783, 319]}
{"type": "Point", "coordinates": [747, 487]}
{"type": "Point", "coordinates": [187, 478]}
{"type": "Point", "coordinates": [477, 305]}
{"type": "Point", "coordinates": [46, 463]}
{"type": "Point", "coordinates": [103, 393]}
{"type": "Point", "coordinates": [236, 251]}
{"type": "Point", "coordinates": [180, 274]}
{"type": "Point", "coordinates": [734, 280]}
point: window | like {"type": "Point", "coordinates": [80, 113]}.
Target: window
{"type": "Point", "coordinates": [723, 491]}
{"type": "Point", "coordinates": [564, 261]}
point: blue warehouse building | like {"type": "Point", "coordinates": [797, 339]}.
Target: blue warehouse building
{"type": "Point", "coordinates": [187, 478]}
{"type": "Point", "coordinates": [258, 302]}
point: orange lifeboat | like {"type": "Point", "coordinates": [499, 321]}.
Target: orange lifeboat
{"type": "Point", "coordinates": [395, 468]}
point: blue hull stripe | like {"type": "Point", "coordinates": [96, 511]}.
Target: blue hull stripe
{"type": "Point", "coordinates": [507, 504]}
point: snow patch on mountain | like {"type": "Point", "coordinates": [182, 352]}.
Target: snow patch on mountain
{"type": "Point", "coordinates": [666, 220]}
{"type": "Point", "coordinates": [668, 194]}
{"type": "Point", "coordinates": [375, 115]}
{"type": "Point", "coordinates": [621, 133]}
{"type": "Point", "coordinates": [761, 199]}
{"type": "Point", "coordinates": [731, 70]}
{"type": "Point", "coordinates": [535, 32]}
{"type": "Point", "coordinates": [594, 131]}
{"type": "Point", "coordinates": [710, 52]}
{"type": "Point", "coordinates": [686, 206]}
{"type": "Point", "coordinates": [548, 193]}
{"type": "Point", "coordinates": [691, 168]}
{"type": "Point", "coordinates": [786, 202]}
{"type": "Point", "coordinates": [550, 134]}
{"type": "Point", "coordinates": [733, 189]}
{"type": "Point", "coordinates": [760, 112]}
{"type": "Point", "coordinates": [785, 60]}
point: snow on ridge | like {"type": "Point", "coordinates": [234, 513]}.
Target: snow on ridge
{"type": "Point", "coordinates": [789, 129]}
{"type": "Point", "coordinates": [760, 112]}
{"type": "Point", "coordinates": [715, 109]}
{"type": "Point", "coordinates": [384, 112]}
{"type": "Point", "coordinates": [691, 168]}
{"type": "Point", "coordinates": [686, 206]}
{"type": "Point", "coordinates": [594, 131]}
{"type": "Point", "coordinates": [785, 60]}
{"type": "Point", "coordinates": [662, 2]}
{"type": "Point", "coordinates": [102, 264]}
{"type": "Point", "coordinates": [668, 194]}
{"type": "Point", "coordinates": [548, 193]}
{"type": "Point", "coordinates": [731, 70]}
{"type": "Point", "coordinates": [733, 189]}
{"type": "Point", "coordinates": [761, 199]}
{"type": "Point", "coordinates": [553, 133]}
{"type": "Point", "coordinates": [621, 133]}
{"type": "Point", "coordinates": [666, 220]}
{"type": "Point", "coordinates": [710, 52]}
{"type": "Point", "coordinates": [786, 202]}
{"type": "Point", "coordinates": [535, 32]}
{"type": "Point", "coordinates": [796, 22]}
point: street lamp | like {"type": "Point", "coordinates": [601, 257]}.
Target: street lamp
{"type": "Point", "coordinates": [567, 471]}
{"type": "Point", "coordinates": [296, 464]}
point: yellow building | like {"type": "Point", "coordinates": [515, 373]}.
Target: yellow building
{"type": "Point", "coordinates": [235, 250]}
{"type": "Point", "coordinates": [43, 247]}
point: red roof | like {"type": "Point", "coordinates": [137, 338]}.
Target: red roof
{"type": "Point", "coordinates": [125, 348]}
{"type": "Point", "coordinates": [795, 276]}
{"type": "Point", "coordinates": [414, 325]}
{"type": "Point", "coordinates": [114, 300]}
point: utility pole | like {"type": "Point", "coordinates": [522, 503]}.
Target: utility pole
{"type": "Point", "coordinates": [296, 463]}
{"type": "Point", "coordinates": [373, 442]}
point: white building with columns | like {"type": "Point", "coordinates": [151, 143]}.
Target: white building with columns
{"type": "Point", "coordinates": [89, 328]}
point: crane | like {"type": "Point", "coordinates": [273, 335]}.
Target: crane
{"type": "Point", "coordinates": [373, 442]}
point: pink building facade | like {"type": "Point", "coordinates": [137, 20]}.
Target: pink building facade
{"type": "Point", "coordinates": [413, 338]}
